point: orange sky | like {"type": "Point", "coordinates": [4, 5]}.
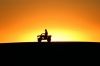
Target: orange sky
{"type": "Point", "coordinates": [66, 20]}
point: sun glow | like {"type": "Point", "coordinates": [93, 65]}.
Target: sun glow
{"type": "Point", "coordinates": [56, 36]}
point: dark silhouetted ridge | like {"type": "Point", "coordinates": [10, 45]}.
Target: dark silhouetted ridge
{"type": "Point", "coordinates": [38, 54]}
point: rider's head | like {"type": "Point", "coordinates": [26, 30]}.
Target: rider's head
{"type": "Point", "coordinates": [45, 29]}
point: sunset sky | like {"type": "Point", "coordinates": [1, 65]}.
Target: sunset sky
{"type": "Point", "coordinates": [65, 20]}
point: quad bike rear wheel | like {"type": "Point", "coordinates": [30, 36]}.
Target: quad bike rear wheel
{"type": "Point", "coordinates": [48, 39]}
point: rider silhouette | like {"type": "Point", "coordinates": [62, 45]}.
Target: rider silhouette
{"type": "Point", "coordinates": [46, 33]}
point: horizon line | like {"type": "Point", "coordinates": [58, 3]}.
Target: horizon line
{"type": "Point", "coordinates": [50, 42]}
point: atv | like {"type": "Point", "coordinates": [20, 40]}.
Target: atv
{"type": "Point", "coordinates": [43, 37]}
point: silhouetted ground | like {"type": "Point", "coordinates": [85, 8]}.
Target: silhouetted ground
{"type": "Point", "coordinates": [54, 53]}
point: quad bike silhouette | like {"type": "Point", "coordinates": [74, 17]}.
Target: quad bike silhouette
{"type": "Point", "coordinates": [43, 37]}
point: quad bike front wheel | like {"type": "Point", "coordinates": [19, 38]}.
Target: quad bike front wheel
{"type": "Point", "coordinates": [39, 40]}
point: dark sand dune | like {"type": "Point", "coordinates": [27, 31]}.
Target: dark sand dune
{"type": "Point", "coordinates": [61, 54]}
{"type": "Point", "coordinates": [32, 46]}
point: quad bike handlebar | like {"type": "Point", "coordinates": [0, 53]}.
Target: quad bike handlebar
{"type": "Point", "coordinates": [43, 35]}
